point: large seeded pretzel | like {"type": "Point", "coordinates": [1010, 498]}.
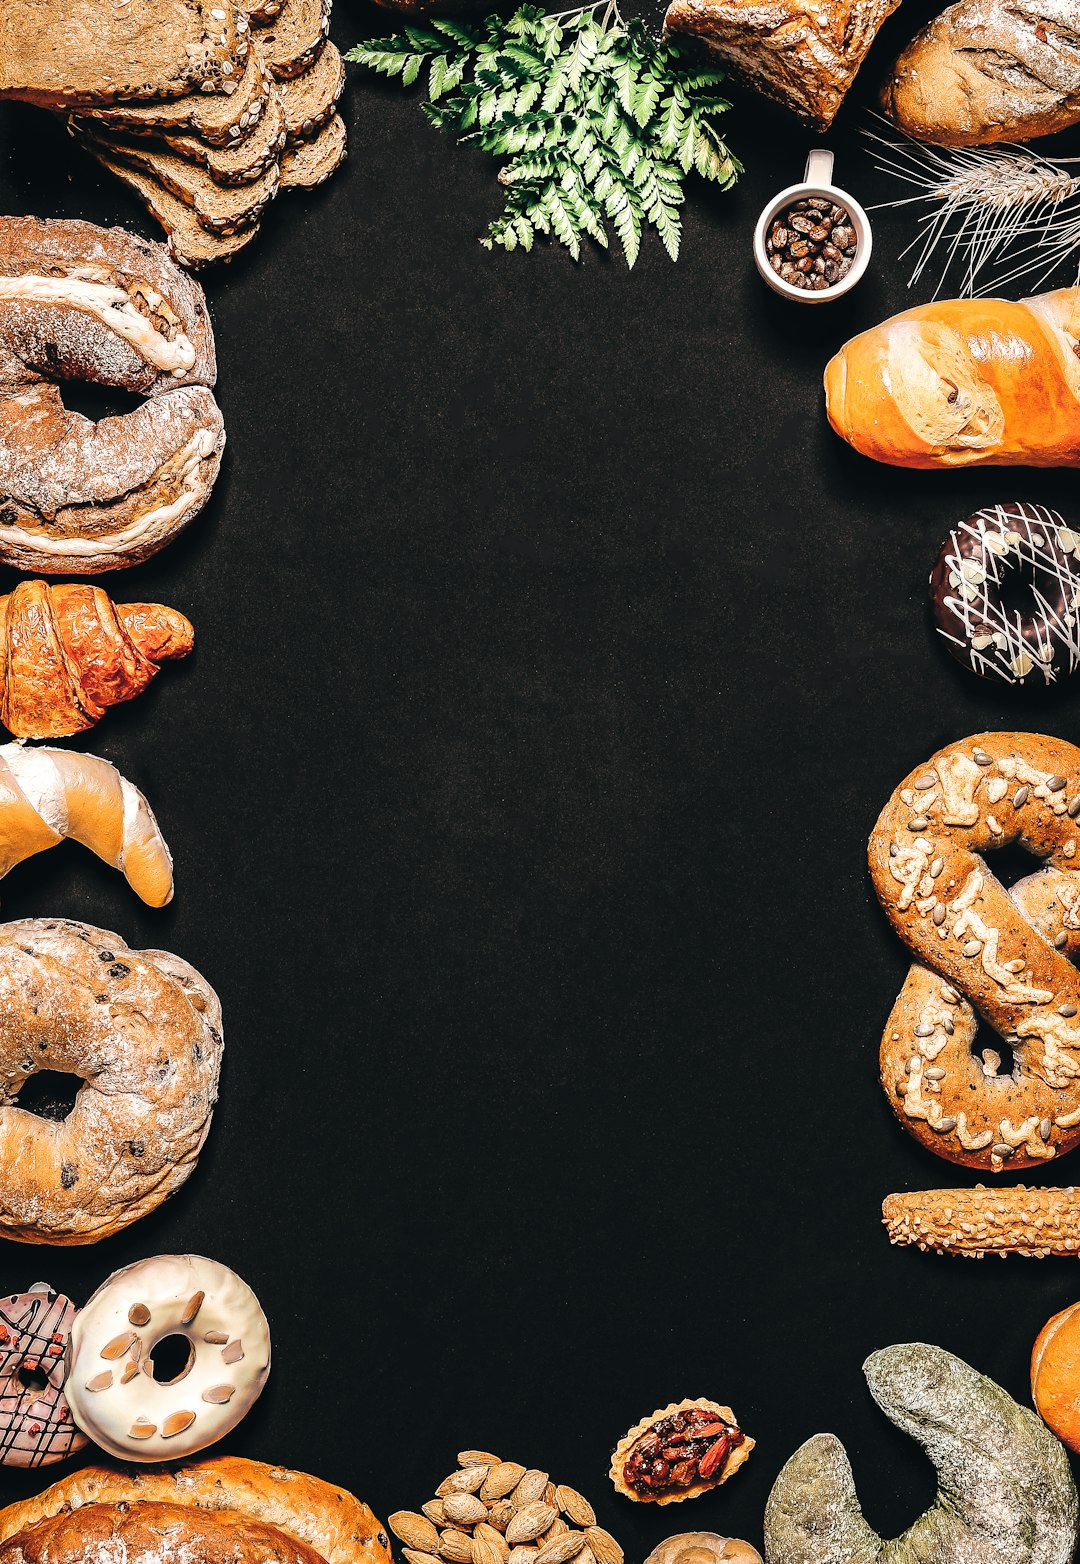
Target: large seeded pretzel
{"type": "Point", "coordinates": [985, 952]}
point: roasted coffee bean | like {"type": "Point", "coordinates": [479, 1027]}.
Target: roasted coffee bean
{"type": "Point", "coordinates": [832, 271]}
{"type": "Point", "coordinates": [830, 252]}
{"type": "Point", "coordinates": [779, 237]}
{"type": "Point", "coordinates": [812, 244]}
{"type": "Point", "coordinates": [843, 236]}
{"type": "Point", "coordinates": [802, 225]}
{"type": "Point", "coordinates": [804, 264]}
{"type": "Point", "coordinates": [776, 262]}
{"type": "Point", "coordinates": [820, 233]}
{"type": "Point", "coordinates": [798, 248]}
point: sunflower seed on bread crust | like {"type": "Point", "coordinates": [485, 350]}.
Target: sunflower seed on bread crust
{"type": "Point", "coordinates": [291, 41]}
{"type": "Point", "coordinates": [188, 240]}
{"type": "Point", "coordinates": [220, 118]}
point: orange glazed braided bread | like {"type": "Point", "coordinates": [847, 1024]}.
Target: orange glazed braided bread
{"type": "Point", "coordinates": [69, 653]}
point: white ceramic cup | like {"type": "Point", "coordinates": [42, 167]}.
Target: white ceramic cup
{"type": "Point", "coordinates": [817, 181]}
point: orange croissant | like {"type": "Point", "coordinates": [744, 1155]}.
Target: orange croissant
{"type": "Point", "coordinates": [69, 653]}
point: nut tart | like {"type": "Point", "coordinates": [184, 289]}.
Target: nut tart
{"type": "Point", "coordinates": [680, 1452]}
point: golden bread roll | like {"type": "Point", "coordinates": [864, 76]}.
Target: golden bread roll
{"type": "Point", "coordinates": [964, 382]}
{"type": "Point", "coordinates": [1055, 1375]}
{"type": "Point", "coordinates": [164, 1533]}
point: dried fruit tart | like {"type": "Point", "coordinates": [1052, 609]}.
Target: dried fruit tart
{"type": "Point", "coordinates": [679, 1452]}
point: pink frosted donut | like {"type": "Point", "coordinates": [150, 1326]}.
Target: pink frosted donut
{"type": "Point", "coordinates": [36, 1426]}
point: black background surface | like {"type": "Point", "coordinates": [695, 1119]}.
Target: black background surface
{"type": "Point", "coordinates": [554, 660]}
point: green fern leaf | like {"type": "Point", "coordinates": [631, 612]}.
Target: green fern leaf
{"type": "Point", "coordinates": [646, 98]}
{"type": "Point", "coordinates": [582, 52]}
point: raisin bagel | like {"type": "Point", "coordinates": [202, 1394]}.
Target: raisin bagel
{"type": "Point", "coordinates": [78, 302]}
{"type": "Point", "coordinates": [329, 1520]}
{"type": "Point", "coordinates": [143, 1031]}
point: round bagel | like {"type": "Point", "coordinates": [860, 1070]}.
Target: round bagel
{"type": "Point", "coordinates": [143, 1031]}
{"type": "Point", "coordinates": [165, 1533]}
{"type": "Point", "coordinates": [78, 302]}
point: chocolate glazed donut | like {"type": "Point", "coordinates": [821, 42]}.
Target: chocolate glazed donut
{"type": "Point", "coordinates": [983, 951]}
{"type": "Point", "coordinates": [966, 593]}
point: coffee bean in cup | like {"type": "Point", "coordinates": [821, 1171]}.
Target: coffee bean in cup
{"type": "Point", "coordinates": [812, 245]}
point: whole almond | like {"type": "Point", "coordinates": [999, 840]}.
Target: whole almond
{"type": "Point", "coordinates": [562, 1549]}
{"type": "Point", "coordinates": [529, 1522]}
{"type": "Point", "coordinates": [464, 1509]}
{"type": "Point", "coordinates": [586, 1556]}
{"type": "Point", "coordinates": [489, 1546]}
{"type": "Point", "coordinates": [529, 1489]}
{"type": "Point", "coordinates": [415, 1556]}
{"type": "Point", "coordinates": [558, 1528]}
{"type": "Point", "coordinates": [524, 1553]}
{"type": "Point", "coordinates": [501, 1479]}
{"type": "Point", "coordinates": [435, 1510]}
{"type": "Point", "coordinates": [477, 1458]}
{"type": "Point", "coordinates": [414, 1530]}
{"type": "Point", "coordinates": [466, 1480]}
{"type": "Point", "coordinates": [500, 1513]}
{"type": "Point", "coordinates": [604, 1546]}
{"type": "Point", "coordinates": [572, 1503]}
{"type": "Point", "coordinates": [456, 1546]}
{"type": "Point", "coordinates": [549, 1493]}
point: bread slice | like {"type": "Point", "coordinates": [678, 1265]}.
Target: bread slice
{"type": "Point", "coordinates": [241, 164]}
{"type": "Point", "coordinates": [221, 209]}
{"type": "Point", "coordinates": [259, 12]}
{"type": "Point", "coordinates": [223, 119]}
{"type": "Point", "coordinates": [188, 240]}
{"type": "Point", "coordinates": [309, 100]}
{"type": "Point", "coordinates": [308, 163]}
{"type": "Point", "coordinates": [291, 42]}
{"type": "Point", "coordinates": [64, 54]}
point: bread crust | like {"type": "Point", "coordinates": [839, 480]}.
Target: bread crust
{"type": "Point", "coordinates": [317, 1514]}
{"type": "Point", "coordinates": [977, 952]}
{"type": "Point", "coordinates": [964, 382]}
{"type": "Point", "coordinates": [143, 1030]}
{"type": "Point", "coordinates": [802, 53]}
{"type": "Point", "coordinates": [989, 70]}
{"type": "Point", "coordinates": [166, 1533]}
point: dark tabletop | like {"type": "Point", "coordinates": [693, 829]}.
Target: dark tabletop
{"type": "Point", "coordinates": [554, 661]}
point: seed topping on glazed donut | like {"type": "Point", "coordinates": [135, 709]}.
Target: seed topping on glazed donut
{"type": "Point", "coordinates": [966, 588]}
{"type": "Point", "coordinates": [983, 951]}
{"type": "Point", "coordinates": [36, 1427]}
{"type": "Point", "coordinates": [114, 1395]}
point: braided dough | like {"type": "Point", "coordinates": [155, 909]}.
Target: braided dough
{"type": "Point", "coordinates": [328, 1519]}
{"type": "Point", "coordinates": [47, 794]}
{"type": "Point", "coordinates": [982, 951]}
{"type": "Point", "coordinates": [85, 303]}
{"type": "Point", "coordinates": [143, 1031]}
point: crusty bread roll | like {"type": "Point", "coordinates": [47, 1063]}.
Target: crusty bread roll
{"type": "Point", "coordinates": [989, 70]}
{"type": "Point", "coordinates": [165, 1533]}
{"type": "Point", "coordinates": [1055, 1375]}
{"type": "Point", "coordinates": [325, 1518]}
{"type": "Point", "coordinates": [964, 382]}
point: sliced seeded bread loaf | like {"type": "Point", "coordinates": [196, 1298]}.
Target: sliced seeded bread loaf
{"type": "Point", "coordinates": [308, 163]}
{"type": "Point", "coordinates": [309, 100]}
{"type": "Point", "coordinates": [188, 240]}
{"type": "Point", "coordinates": [247, 160]}
{"type": "Point", "coordinates": [222, 119]}
{"type": "Point", "coordinates": [69, 53]}
{"type": "Point", "coordinates": [261, 11]}
{"type": "Point", "coordinates": [221, 209]}
{"type": "Point", "coordinates": [293, 39]}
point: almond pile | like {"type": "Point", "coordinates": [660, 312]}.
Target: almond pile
{"type": "Point", "coordinates": [497, 1512]}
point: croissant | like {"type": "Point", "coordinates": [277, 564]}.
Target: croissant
{"type": "Point", "coordinates": [47, 794]}
{"type": "Point", "coordinates": [964, 382]}
{"type": "Point", "coordinates": [69, 653]}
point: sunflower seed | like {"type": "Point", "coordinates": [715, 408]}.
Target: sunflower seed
{"type": "Point", "coordinates": [501, 1480]}
{"type": "Point", "coordinates": [416, 1531]}
{"type": "Point", "coordinates": [572, 1503]}
{"type": "Point", "coordinates": [529, 1522]}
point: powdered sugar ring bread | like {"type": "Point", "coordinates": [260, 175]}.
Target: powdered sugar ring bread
{"type": "Point", "coordinates": [36, 1426]}
{"type": "Point", "coordinates": [153, 1533]}
{"type": "Point", "coordinates": [86, 303]}
{"type": "Point", "coordinates": [113, 1393]}
{"type": "Point", "coordinates": [143, 1031]}
{"type": "Point", "coordinates": [981, 951]}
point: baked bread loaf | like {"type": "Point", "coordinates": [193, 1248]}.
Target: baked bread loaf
{"type": "Point", "coordinates": [964, 382]}
{"type": "Point", "coordinates": [87, 303]}
{"type": "Point", "coordinates": [327, 1519]}
{"type": "Point", "coordinates": [803, 53]}
{"type": "Point", "coordinates": [68, 653]}
{"type": "Point", "coordinates": [165, 1533]}
{"type": "Point", "coordinates": [188, 240]}
{"type": "Point", "coordinates": [989, 70]}
{"type": "Point", "coordinates": [291, 41]}
{"type": "Point", "coordinates": [1055, 1375]}
{"type": "Point", "coordinates": [309, 101]}
{"type": "Point", "coordinates": [143, 1031]}
{"type": "Point", "coordinates": [221, 119]}
{"type": "Point", "coordinates": [63, 53]}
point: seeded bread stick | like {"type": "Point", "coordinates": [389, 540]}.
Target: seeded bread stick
{"type": "Point", "coordinates": [975, 1222]}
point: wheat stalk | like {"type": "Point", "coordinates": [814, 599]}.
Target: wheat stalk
{"type": "Point", "coordinates": [991, 207]}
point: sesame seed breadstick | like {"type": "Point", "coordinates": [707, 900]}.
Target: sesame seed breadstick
{"type": "Point", "coordinates": [975, 1222]}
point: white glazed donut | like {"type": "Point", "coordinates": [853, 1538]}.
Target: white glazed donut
{"type": "Point", "coordinates": [110, 1386]}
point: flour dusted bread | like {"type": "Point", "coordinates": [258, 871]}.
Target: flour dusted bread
{"type": "Point", "coordinates": [989, 70]}
{"type": "Point", "coordinates": [143, 1031]}
{"type": "Point", "coordinates": [339, 1528]}
{"type": "Point", "coordinates": [165, 1533]}
{"type": "Point", "coordinates": [964, 382]}
{"type": "Point", "coordinates": [86, 303]}
{"type": "Point", "coordinates": [803, 53]}
{"type": "Point", "coordinates": [62, 53]}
